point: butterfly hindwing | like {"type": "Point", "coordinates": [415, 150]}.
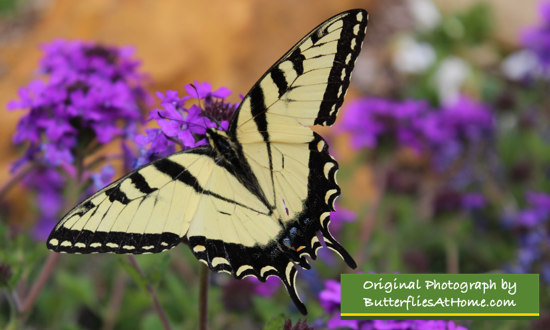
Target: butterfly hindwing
{"type": "Point", "coordinates": [292, 241]}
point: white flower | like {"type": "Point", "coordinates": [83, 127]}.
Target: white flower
{"type": "Point", "coordinates": [520, 65]}
{"type": "Point", "coordinates": [425, 13]}
{"type": "Point", "coordinates": [450, 77]}
{"type": "Point", "coordinates": [412, 56]}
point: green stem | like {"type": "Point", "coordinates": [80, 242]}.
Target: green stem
{"type": "Point", "coordinates": [115, 302]}
{"type": "Point", "coordinates": [451, 249]}
{"type": "Point", "coordinates": [203, 296]}
{"type": "Point", "coordinates": [373, 213]}
{"type": "Point", "coordinates": [45, 273]}
{"type": "Point", "coordinates": [14, 308]}
{"type": "Point", "coordinates": [152, 293]}
{"type": "Point", "coordinates": [452, 257]}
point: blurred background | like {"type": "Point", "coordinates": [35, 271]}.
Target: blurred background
{"type": "Point", "coordinates": [442, 144]}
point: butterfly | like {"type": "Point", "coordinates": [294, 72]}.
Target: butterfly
{"type": "Point", "coordinates": [252, 201]}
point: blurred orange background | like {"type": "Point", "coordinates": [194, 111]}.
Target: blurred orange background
{"type": "Point", "coordinates": [227, 43]}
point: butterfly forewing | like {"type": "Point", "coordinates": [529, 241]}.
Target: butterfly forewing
{"type": "Point", "coordinates": [308, 84]}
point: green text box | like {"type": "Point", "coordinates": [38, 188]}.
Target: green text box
{"type": "Point", "coordinates": [439, 296]}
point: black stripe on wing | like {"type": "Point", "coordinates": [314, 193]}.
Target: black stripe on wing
{"type": "Point", "coordinates": [86, 241]}
{"type": "Point", "coordinates": [297, 59]}
{"type": "Point", "coordinates": [279, 79]}
{"type": "Point", "coordinates": [349, 46]}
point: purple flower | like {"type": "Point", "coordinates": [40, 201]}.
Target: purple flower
{"type": "Point", "coordinates": [56, 154]}
{"type": "Point", "coordinates": [538, 211]}
{"type": "Point", "coordinates": [204, 90]}
{"type": "Point", "coordinates": [415, 324]}
{"type": "Point", "coordinates": [539, 201]}
{"type": "Point", "coordinates": [104, 177]}
{"type": "Point", "coordinates": [534, 235]}
{"type": "Point", "coordinates": [329, 299]}
{"type": "Point", "coordinates": [451, 131]}
{"type": "Point", "coordinates": [373, 120]}
{"type": "Point", "coordinates": [472, 201]}
{"type": "Point", "coordinates": [467, 119]}
{"type": "Point", "coordinates": [528, 218]}
{"type": "Point", "coordinates": [43, 227]}
{"type": "Point", "coordinates": [442, 134]}
{"type": "Point", "coordinates": [184, 126]}
{"type": "Point", "coordinates": [537, 38]}
{"type": "Point", "coordinates": [91, 91]}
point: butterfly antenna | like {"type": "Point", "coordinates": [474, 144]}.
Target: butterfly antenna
{"type": "Point", "coordinates": [190, 123]}
{"type": "Point", "coordinates": [198, 96]}
{"type": "Point", "coordinates": [203, 109]}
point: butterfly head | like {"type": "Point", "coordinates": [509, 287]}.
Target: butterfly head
{"type": "Point", "coordinates": [221, 143]}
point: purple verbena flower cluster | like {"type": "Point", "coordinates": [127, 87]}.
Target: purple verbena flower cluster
{"type": "Point", "coordinates": [88, 95]}
{"type": "Point", "coordinates": [330, 301]}
{"type": "Point", "coordinates": [440, 133]}
{"type": "Point", "coordinates": [184, 126]}
{"type": "Point", "coordinates": [372, 121]}
{"type": "Point", "coordinates": [532, 224]}
{"type": "Point", "coordinates": [537, 38]}
{"type": "Point", "coordinates": [93, 92]}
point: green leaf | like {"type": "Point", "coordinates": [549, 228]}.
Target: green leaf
{"type": "Point", "coordinates": [79, 287]}
{"type": "Point", "coordinates": [276, 323]}
{"type": "Point", "coordinates": [133, 273]}
{"type": "Point", "coordinates": [8, 6]}
{"type": "Point", "coordinates": [159, 267]}
{"type": "Point", "coordinates": [151, 322]}
{"type": "Point", "coordinates": [477, 23]}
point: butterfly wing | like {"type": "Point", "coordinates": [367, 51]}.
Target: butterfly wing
{"type": "Point", "coordinates": [292, 167]}
{"type": "Point", "coordinates": [152, 208]}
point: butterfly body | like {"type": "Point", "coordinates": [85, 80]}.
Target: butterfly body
{"type": "Point", "coordinates": [252, 201]}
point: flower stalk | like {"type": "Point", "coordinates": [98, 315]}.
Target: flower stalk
{"type": "Point", "coordinates": [152, 293]}
{"type": "Point", "coordinates": [204, 277]}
